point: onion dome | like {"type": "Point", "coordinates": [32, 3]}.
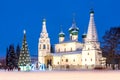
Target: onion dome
{"type": "Point", "coordinates": [61, 34]}
{"type": "Point", "coordinates": [74, 32]}
{"type": "Point", "coordinates": [73, 27]}
{"type": "Point", "coordinates": [84, 35]}
{"type": "Point", "coordinates": [91, 11]}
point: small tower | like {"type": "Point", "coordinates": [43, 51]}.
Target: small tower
{"type": "Point", "coordinates": [44, 46]}
{"type": "Point", "coordinates": [61, 36]}
{"type": "Point", "coordinates": [24, 58]}
{"type": "Point", "coordinates": [84, 36]}
{"type": "Point", "coordinates": [73, 30]}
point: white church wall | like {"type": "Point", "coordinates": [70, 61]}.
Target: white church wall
{"type": "Point", "coordinates": [79, 46]}
{"type": "Point", "coordinates": [65, 47]}
{"type": "Point", "coordinates": [56, 60]}
{"type": "Point", "coordinates": [73, 59]}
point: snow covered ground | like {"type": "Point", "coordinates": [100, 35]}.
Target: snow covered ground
{"type": "Point", "coordinates": [61, 75]}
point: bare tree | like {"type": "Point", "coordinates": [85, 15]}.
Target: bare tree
{"type": "Point", "coordinates": [111, 46]}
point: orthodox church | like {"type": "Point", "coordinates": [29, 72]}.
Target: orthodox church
{"type": "Point", "coordinates": [72, 54]}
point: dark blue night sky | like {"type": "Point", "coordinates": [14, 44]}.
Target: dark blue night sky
{"type": "Point", "coordinates": [17, 15]}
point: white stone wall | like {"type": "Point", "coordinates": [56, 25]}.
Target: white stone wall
{"type": "Point", "coordinates": [88, 58]}
{"type": "Point", "coordinates": [56, 60]}
{"type": "Point", "coordinates": [65, 47]}
{"type": "Point", "coordinates": [71, 60]}
{"type": "Point", "coordinates": [68, 46]}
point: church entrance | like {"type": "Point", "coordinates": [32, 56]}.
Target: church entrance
{"type": "Point", "coordinates": [67, 66]}
{"type": "Point", "coordinates": [49, 62]}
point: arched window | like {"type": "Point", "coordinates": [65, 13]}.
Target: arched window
{"type": "Point", "coordinates": [65, 50]}
{"type": "Point", "coordinates": [66, 60]}
{"type": "Point", "coordinates": [44, 47]}
{"type": "Point", "coordinates": [40, 46]}
{"type": "Point", "coordinates": [88, 53]}
{"type": "Point", "coordinates": [71, 37]}
{"type": "Point", "coordinates": [91, 59]}
{"type": "Point", "coordinates": [71, 49]}
{"type": "Point", "coordinates": [73, 60]}
{"type": "Point", "coordinates": [59, 50]}
{"type": "Point", "coordinates": [48, 46]}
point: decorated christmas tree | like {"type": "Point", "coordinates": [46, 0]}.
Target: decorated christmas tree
{"type": "Point", "coordinates": [24, 57]}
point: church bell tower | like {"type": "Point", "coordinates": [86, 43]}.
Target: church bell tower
{"type": "Point", "coordinates": [91, 53]}
{"type": "Point", "coordinates": [44, 44]}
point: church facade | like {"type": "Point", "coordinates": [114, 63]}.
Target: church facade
{"type": "Point", "coordinates": [72, 54]}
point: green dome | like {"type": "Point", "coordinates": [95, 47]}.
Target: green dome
{"type": "Point", "coordinates": [75, 32]}
{"type": "Point", "coordinates": [84, 36]}
{"type": "Point", "coordinates": [73, 28]}
{"type": "Point", "coordinates": [61, 34]}
{"type": "Point", "coordinates": [91, 11]}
